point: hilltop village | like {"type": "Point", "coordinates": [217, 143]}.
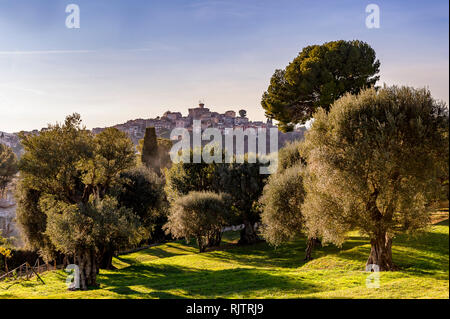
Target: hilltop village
{"type": "Point", "coordinates": [170, 120]}
{"type": "Point", "coordinates": [135, 129]}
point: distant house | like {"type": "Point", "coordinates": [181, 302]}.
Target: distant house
{"type": "Point", "coordinates": [197, 112]}
{"type": "Point", "coordinates": [228, 121]}
{"type": "Point", "coordinates": [241, 120]}
{"type": "Point", "coordinates": [182, 122]}
{"type": "Point", "coordinates": [230, 114]}
{"type": "Point", "coordinates": [172, 116]}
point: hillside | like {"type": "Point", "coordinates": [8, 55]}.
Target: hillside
{"type": "Point", "coordinates": [11, 140]}
{"type": "Point", "coordinates": [176, 270]}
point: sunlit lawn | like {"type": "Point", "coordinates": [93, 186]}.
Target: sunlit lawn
{"type": "Point", "coordinates": [176, 270]}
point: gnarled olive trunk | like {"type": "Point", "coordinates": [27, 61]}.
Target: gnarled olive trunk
{"type": "Point", "coordinates": [88, 266]}
{"type": "Point", "coordinates": [381, 242]}
{"type": "Point", "coordinates": [211, 239]}
{"type": "Point", "coordinates": [312, 242]}
{"type": "Point", "coordinates": [248, 234]}
{"type": "Point", "coordinates": [106, 260]}
{"type": "Point", "coordinates": [202, 244]}
{"type": "Point", "coordinates": [381, 252]}
{"type": "Point", "coordinates": [214, 238]}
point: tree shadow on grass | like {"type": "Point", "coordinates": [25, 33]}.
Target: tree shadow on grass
{"type": "Point", "coordinates": [429, 241]}
{"type": "Point", "coordinates": [188, 246]}
{"type": "Point", "coordinates": [159, 281]}
{"type": "Point", "coordinates": [430, 251]}
{"type": "Point", "coordinates": [443, 223]}
{"type": "Point", "coordinates": [288, 255]}
{"type": "Point", "coordinates": [421, 254]}
{"type": "Point", "coordinates": [163, 251]}
{"type": "Point", "coordinates": [128, 292]}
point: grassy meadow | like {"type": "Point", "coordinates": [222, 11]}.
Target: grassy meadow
{"type": "Point", "coordinates": [176, 270]}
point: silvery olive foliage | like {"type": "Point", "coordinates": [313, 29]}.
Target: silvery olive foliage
{"type": "Point", "coordinates": [281, 201]}
{"type": "Point", "coordinates": [198, 215]}
{"type": "Point", "coordinates": [375, 162]}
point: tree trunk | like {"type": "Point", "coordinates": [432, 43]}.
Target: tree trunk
{"type": "Point", "coordinates": [248, 234]}
{"type": "Point", "coordinates": [65, 261]}
{"type": "Point", "coordinates": [214, 238]}
{"type": "Point", "coordinates": [87, 264]}
{"type": "Point", "coordinates": [312, 242]}
{"type": "Point", "coordinates": [381, 253]}
{"type": "Point", "coordinates": [106, 260]}
{"type": "Point", "coordinates": [201, 244]}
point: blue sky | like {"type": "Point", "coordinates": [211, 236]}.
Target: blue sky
{"type": "Point", "coordinates": [136, 59]}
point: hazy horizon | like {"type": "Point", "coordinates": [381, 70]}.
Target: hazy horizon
{"type": "Point", "coordinates": [138, 59]}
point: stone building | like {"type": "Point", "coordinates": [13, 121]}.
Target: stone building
{"type": "Point", "coordinates": [197, 112]}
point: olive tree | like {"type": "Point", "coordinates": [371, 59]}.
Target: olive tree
{"type": "Point", "coordinates": [32, 221]}
{"type": "Point", "coordinates": [243, 181]}
{"type": "Point", "coordinates": [85, 229]}
{"type": "Point", "coordinates": [68, 178]}
{"type": "Point", "coordinates": [282, 199]}
{"type": "Point", "coordinates": [185, 177]}
{"type": "Point", "coordinates": [240, 179]}
{"type": "Point", "coordinates": [142, 190]}
{"type": "Point", "coordinates": [199, 215]}
{"type": "Point", "coordinates": [374, 163]}
{"type": "Point", "coordinates": [290, 155]}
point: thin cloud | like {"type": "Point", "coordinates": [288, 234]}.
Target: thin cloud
{"type": "Point", "coordinates": [45, 52]}
{"type": "Point", "coordinates": [22, 89]}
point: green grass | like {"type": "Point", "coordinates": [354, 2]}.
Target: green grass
{"type": "Point", "coordinates": [176, 270]}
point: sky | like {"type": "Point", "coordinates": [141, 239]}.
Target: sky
{"type": "Point", "coordinates": [137, 59]}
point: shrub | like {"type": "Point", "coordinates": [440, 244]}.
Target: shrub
{"type": "Point", "coordinates": [199, 215]}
